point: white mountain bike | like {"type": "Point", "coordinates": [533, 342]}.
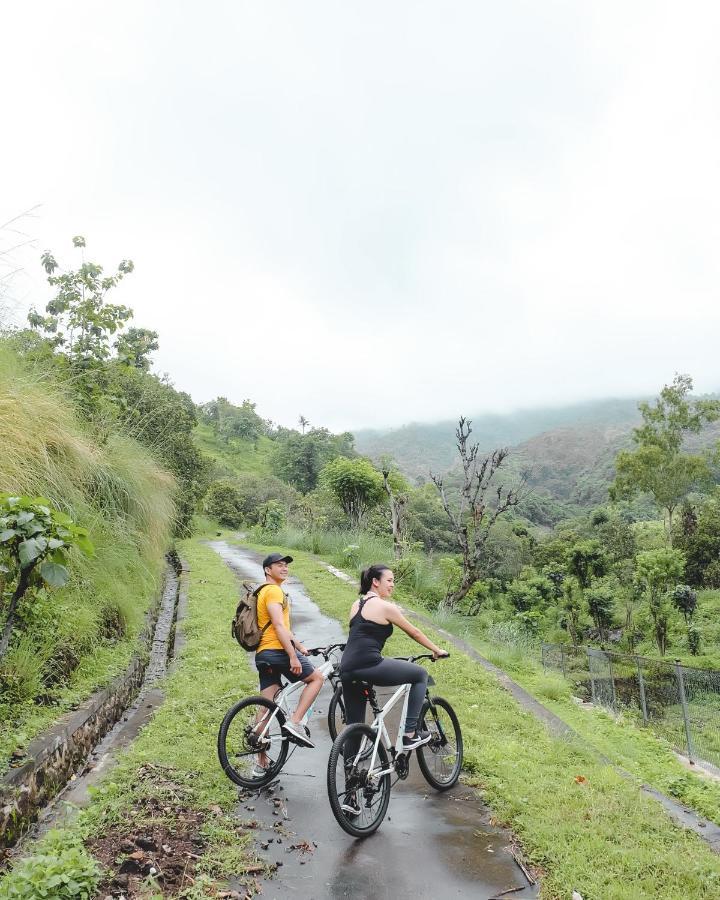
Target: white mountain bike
{"type": "Point", "coordinates": [363, 758]}
{"type": "Point", "coordinates": [252, 729]}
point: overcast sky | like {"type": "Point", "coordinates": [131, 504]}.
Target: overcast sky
{"type": "Point", "coordinates": [371, 213]}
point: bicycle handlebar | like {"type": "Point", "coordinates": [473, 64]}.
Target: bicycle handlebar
{"type": "Point", "coordinates": [325, 651]}
{"type": "Point", "coordinates": [422, 656]}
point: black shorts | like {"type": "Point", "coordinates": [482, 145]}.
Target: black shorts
{"type": "Point", "coordinates": [271, 664]}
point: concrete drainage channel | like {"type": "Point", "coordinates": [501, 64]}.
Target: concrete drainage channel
{"type": "Point", "coordinates": [65, 761]}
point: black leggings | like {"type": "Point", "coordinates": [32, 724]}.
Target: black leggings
{"type": "Point", "coordinates": [385, 673]}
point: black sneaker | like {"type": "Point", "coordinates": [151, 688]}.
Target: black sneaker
{"type": "Point", "coordinates": [351, 804]}
{"type": "Point", "coordinates": [297, 734]}
{"type": "Point", "coordinates": [417, 740]}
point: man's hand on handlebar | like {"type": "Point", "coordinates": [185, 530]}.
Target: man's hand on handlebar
{"type": "Point", "coordinates": [442, 654]}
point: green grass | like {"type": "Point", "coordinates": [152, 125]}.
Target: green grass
{"type": "Point", "coordinates": [180, 739]}
{"type": "Point", "coordinates": [628, 744]}
{"type": "Point", "coordinates": [65, 647]}
{"type": "Point", "coordinates": [600, 835]}
{"type": "Point", "coordinates": [237, 457]}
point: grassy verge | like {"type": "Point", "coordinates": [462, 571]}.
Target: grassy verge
{"type": "Point", "coordinates": [179, 744]}
{"type": "Point", "coordinates": [636, 749]}
{"type": "Point", "coordinates": [69, 642]}
{"type": "Point", "coordinates": [586, 826]}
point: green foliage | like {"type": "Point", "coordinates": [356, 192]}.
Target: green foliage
{"type": "Point", "coordinates": [586, 561]}
{"type": "Point", "coordinates": [657, 570]}
{"type": "Point", "coordinates": [658, 466]}
{"type": "Point", "coordinates": [255, 491]}
{"type": "Point", "coordinates": [224, 503]}
{"type": "Point", "coordinates": [35, 542]}
{"type": "Point", "coordinates": [234, 422]}
{"type": "Point", "coordinates": [684, 599]}
{"type": "Point", "coordinates": [299, 458]}
{"type": "Point", "coordinates": [600, 606]}
{"type": "Point", "coordinates": [151, 411]}
{"type": "Point", "coordinates": [124, 500]}
{"type": "Point", "coordinates": [699, 539]}
{"type": "Point", "coordinates": [272, 516]}
{"type": "Point", "coordinates": [64, 871]}
{"type": "Point", "coordinates": [78, 317]}
{"type": "Point", "coordinates": [356, 484]}
{"type": "Point", "coordinates": [135, 346]}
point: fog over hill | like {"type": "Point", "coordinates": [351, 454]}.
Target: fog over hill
{"type": "Point", "coordinates": [418, 448]}
{"type": "Point", "coordinates": [567, 454]}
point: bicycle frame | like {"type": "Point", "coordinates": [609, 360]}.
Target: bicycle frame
{"type": "Point", "coordinates": [378, 725]}
{"type": "Point", "coordinates": [283, 695]}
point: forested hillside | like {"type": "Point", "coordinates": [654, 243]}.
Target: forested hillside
{"type": "Point", "coordinates": [417, 447]}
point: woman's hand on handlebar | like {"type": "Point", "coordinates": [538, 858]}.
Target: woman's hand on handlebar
{"type": "Point", "coordinates": [440, 654]}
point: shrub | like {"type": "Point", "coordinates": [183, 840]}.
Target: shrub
{"type": "Point", "coordinates": [223, 502]}
{"type": "Point", "coordinates": [64, 871]}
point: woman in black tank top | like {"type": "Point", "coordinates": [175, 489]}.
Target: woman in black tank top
{"type": "Point", "coordinates": [362, 660]}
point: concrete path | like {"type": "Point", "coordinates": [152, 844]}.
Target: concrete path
{"type": "Point", "coordinates": [429, 844]}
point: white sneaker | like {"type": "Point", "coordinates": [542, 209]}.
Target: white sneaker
{"type": "Point", "coordinates": [258, 771]}
{"type": "Point", "coordinates": [297, 734]}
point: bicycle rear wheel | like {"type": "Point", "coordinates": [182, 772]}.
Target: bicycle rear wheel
{"type": "Point", "coordinates": [351, 784]}
{"type": "Point", "coordinates": [441, 759]}
{"type": "Point", "coordinates": [336, 713]}
{"type": "Point", "coordinates": [250, 736]}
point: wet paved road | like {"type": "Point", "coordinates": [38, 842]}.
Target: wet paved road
{"type": "Point", "coordinates": [429, 844]}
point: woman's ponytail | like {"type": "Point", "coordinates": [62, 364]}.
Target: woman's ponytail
{"type": "Point", "coordinates": [368, 575]}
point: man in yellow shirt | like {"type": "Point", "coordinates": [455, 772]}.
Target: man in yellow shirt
{"type": "Point", "coordinates": [279, 652]}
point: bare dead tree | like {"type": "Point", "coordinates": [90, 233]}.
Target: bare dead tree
{"type": "Point", "coordinates": [397, 510]}
{"type": "Point", "coordinates": [479, 506]}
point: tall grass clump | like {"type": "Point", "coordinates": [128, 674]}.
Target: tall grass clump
{"type": "Point", "coordinates": [119, 493]}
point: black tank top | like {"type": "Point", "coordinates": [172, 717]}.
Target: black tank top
{"type": "Point", "coordinates": [365, 642]}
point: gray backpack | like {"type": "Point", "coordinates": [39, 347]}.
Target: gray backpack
{"type": "Point", "coordinates": [245, 628]}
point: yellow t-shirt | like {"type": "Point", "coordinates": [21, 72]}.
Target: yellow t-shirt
{"type": "Point", "coordinates": [271, 593]}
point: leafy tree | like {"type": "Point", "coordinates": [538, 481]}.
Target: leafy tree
{"type": "Point", "coordinates": [356, 484]}
{"type": "Point", "coordinates": [616, 537]}
{"type": "Point", "coordinates": [684, 599]}
{"type": "Point", "coordinates": [79, 318]}
{"type": "Point", "coordinates": [35, 541]}
{"type": "Point", "coordinates": [701, 544]}
{"type": "Point", "coordinates": [303, 423]}
{"type": "Point", "coordinates": [396, 489]}
{"type": "Point", "coordinates": [600, 606]}
{"type": "Point", "coordinates": [299, 458]}
{"type": "Point", "coordinates": [256, 490]}
{"type": "Point", "coordinates": [135, 346]}
{"type": "Point", "coordinates": [224, 503]}
{"type": "Point", "coordinates": [426, 520]}
{"type": "Point", "coordinates": [658, 466]}
{"type": "Point", "coordinates": [656, 570]}
{"type": "Point", "coordinates": [586, 561]}
{"type": "Point", "coordinates": [472, 515]}
{"type": "Point", "coordinates": [572, 607]}
{"type": "Point", "coordinates": [272, 516]}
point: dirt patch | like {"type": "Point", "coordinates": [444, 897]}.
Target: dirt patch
{"type": "Point", "coordinates": [158, 849]}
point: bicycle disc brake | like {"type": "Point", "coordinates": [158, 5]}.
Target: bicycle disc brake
{"type": "Point", "coordinates": [402, 765]}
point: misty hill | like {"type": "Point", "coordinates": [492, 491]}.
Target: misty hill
{"type": "Point", "coordinates": [567, 454]}
{"type": "Point", "coordinates": [418, 448]}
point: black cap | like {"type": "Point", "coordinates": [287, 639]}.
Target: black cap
{"type": "Point", "coordinates": [275, 558]}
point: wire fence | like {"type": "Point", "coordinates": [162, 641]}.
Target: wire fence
{"type": "Point", "coordinates": [680, 703]}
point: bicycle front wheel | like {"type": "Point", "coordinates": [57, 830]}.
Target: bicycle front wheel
{"type": "Point", "coordinates": [359, 795]}
{"type": "Point", "coordinates": [336, 713]}
{"type": "Point", "coordinates": [441, 759]}
{"type": "Point", "coordinates": [251, 744]}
